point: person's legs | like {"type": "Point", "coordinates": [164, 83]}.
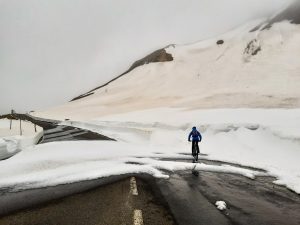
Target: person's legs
{"type": "Point", "coordinates": [197, 144]}
{"type": "Point", "coordinates": [193, 144]}
{"type": "Point", "coordinates": [195, 150]}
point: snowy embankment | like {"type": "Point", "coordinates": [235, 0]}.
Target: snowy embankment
{"type": "Point", "coordinates": [66, 162]}
{"type": "Point", "coordinates": [10, 140]}
{"type": "Point", "coordinates": [266, 139]}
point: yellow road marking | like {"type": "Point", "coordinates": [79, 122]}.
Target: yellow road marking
{"type": "Point", "coordinates": [133, 186]}
{"type": "Point", "coordinates": [137, 217]}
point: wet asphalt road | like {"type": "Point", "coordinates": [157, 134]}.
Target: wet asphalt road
{"type": "Point", "coordinates": [183, 199]}
{"type": "Point", "coordinates": [192, 200]}
{"type": "Point", "coordinates": [108, 204]}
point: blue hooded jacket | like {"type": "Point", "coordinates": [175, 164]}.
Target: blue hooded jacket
{"type": "Point", "coordinates": [196, 136]}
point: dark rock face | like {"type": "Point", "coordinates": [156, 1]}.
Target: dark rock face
{"type": "Point", "coordinates": [252, 48]}
{"type": "Point", "coordinates": [220, 42]}
{"type": "Point", "coordinates": [82, 96]}
{"type": "Point", "coordinates": [158, 56]}
{"type": "Point", "coordinates": [292, 14]}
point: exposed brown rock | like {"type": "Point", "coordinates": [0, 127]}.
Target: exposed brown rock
{"type": "Point", "coordinates": [220, 42]}
{"type": "Point", "coordinates": [158, 56]}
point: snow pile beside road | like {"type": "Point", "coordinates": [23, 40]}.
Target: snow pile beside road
{"type": "Point", "coordinates": [155, 141]}
{"type": "Point", "coordinates": [8, 147]}
{"type": "Point", "coordinates": [5, 149]}
{"type": "Point", "coordinates": [262, 138]}
{"type": "Point", "coordinates": [66, 162]}
{"type": "Point", "coordinates": [221, 205]}
{"type": "Point", "coordinates": [11, 142]}
{"type": "Point", "coordinates": [27, 128]}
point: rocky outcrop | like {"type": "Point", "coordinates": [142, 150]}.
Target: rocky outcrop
{"type": "Point", "coordinates": [220, 42]}
{"type": "Point", "coordinates": [158, 56]}
{"type": "Point", "coordinates": [252, 48]}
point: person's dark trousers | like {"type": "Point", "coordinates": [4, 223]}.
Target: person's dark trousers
{"type": "Point", "coordinates": [196, 143]}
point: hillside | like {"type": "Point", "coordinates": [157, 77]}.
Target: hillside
{"type": "Point", "coordinates": [240, 69]}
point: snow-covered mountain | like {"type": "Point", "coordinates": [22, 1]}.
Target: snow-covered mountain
{"type": "Point", "coordinates": [254, 66]}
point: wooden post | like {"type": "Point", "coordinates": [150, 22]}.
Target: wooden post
{"type": "Point", "coordinates": [12, 111]}
{"type": "Point", "coordinates": [35, 128]}
{"type": "Point", "coordinates": [20, 127]}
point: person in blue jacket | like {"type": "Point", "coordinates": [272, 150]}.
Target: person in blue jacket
{"type": "Point", "coordinates": [195, 137]}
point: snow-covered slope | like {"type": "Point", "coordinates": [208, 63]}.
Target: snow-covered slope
{"type": "Point", "coordinates": [257, 69]}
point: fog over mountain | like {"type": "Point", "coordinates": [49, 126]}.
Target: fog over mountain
{"type": "Point", "coordinates": [51, 51]}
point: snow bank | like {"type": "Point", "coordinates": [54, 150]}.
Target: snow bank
{"type": "Point", "coordinates": [27, 128]}
{"type": "Point", "coordinates": [10, 146]}
{"type": "Point", "coordinates": [11, 142]}
{"type": "Point", "coordinates": [153, 141]}
{"type": "Point", "coordinates": [268, 139]}
{"type": "Point", "coordinates": [65, 162]}
{"type": "Point", "coordinates": [221, 205]}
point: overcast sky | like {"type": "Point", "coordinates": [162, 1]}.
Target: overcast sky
{"type": "Point", "coordinates": [54, 50]}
